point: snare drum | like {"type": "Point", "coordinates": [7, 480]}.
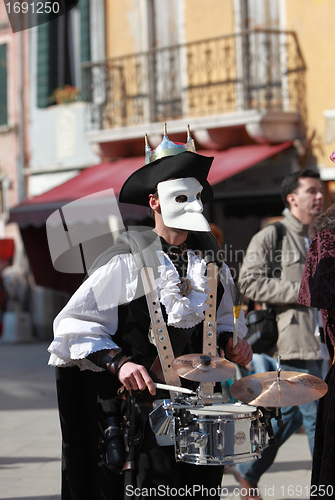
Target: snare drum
{"type": "Point", "coordinates": [220, 434]}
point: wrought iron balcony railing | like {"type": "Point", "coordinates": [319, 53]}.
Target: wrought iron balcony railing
{"type": "Point", "coordinates": [261, 69]}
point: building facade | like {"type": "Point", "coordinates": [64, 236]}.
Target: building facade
{"type": "Point", "coordinates": [14, 140]}
{"type": "Point", "coordinates": [232, 69]}
{"type": "Point", "coordinates": [58, 149]}
{"type": "Point", "coordinates": [252, 77]}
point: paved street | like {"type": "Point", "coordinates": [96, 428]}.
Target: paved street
{"type": "Point", "coordinates": [30, 436]}
{"type": "Point", "coordinates": [29, 427]}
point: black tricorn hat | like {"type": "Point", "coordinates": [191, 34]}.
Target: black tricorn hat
{"type": "Point", "coordinates": [143, 181]}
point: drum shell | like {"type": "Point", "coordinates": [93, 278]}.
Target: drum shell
{"type": "Point", "coordinates": [224, 435]}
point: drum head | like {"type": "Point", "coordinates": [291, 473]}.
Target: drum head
{"type": "Point", "coordinates": [225, 410]}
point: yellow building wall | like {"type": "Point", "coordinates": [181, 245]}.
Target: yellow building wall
{"type": "Point", "coordinates": [126, 24]}
{"type": "Point", "coordinates": [121, 26]}
{"type": "Point", "coordinates": [312, 20]}
{"type": "Point", "coordinates": [208, 18]}
{"type": "Point", "coordinates": [203, 19]}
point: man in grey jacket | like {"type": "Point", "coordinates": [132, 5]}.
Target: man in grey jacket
{"type": "Point", "coordinates": [273, 270]}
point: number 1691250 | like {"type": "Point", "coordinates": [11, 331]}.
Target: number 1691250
{"type": "Point", "coordinates": [33, 7]}
{"type": "Point", "coordinates": [313, 491]}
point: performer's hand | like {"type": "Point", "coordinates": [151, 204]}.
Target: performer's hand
{"type": "Point", "coordinates": [135, 377]}
{"type": "Point", "coordinates": [241, 354]}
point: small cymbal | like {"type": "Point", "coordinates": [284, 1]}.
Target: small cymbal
{"type": "Point", "coordinates": [203, 368]}
{"type": "Point", "coordinates": [293, 388]}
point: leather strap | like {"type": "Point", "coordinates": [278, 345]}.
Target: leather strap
{"type": "Point", "coordinates": [210, 327]}
{"type": "Point", "coordinates": [160, 332]}
{"type": "Point", "coordinates": [179, 339]}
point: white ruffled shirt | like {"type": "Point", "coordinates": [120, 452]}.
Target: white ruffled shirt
{"type": "Point", "coordinates": [90, 319]}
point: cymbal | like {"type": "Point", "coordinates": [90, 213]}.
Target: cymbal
{"type": "Point", "coordinates": [293, 388]}
{"type": "Point", "coordinates": [203, 368]}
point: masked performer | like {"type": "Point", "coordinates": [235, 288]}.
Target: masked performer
{"type": "Point", "coordinates": [102, 336]}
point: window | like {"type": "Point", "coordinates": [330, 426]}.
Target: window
{"type": "Point", "coordinates": [3, 85]}
{"type": "Point", "coordinates": [62, 45]}
{"type": "Point", "coordinates": [164, 27]}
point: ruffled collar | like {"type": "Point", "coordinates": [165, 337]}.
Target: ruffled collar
{"type": "Point", "coordinates": [183, 311]}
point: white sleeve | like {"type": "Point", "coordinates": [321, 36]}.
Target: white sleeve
{"type": "Point", "coordinates": [225, 313]}
{"type": "Point", "coordinates": [90, 319]}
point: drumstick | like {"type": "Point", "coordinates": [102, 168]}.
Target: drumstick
{"type": "Point", "coordinates": [174, 388]}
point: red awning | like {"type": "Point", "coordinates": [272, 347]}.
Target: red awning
{"type": "Point", "coordinates": [108, 175]}
{"type": "Point", "coordinates": [235, 160]}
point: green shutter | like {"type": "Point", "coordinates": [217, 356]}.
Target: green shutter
{"type": "Point", "coordinates": [85, 49]}
{"type": "Point", "coordinates": [42, 65]}
{"type": "Point", "coordinates": [3, 85]}
{"type": "Point", "coordinates": [53, 55]}
{"type": "Point", "coordinates": [46, 62]}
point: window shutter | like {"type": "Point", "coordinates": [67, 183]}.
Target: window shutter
{"type": "Point", "coordinates": [85, 48]}
{"type": "Point", "coordinates": [46, 62]}
{"type": "Point", "coordinates": [3, 85]}
{"type": "Point", "coordinates": [47, 54]}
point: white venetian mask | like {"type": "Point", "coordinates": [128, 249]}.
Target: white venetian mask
{"type": "Point", "coordinates": [181, 205]}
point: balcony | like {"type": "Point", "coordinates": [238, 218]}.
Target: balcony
{"type": "Point", "coordinates": [259, 70]}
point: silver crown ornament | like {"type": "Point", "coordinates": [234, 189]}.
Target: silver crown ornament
{"type": "Point", "coordinates": [167, 147]}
